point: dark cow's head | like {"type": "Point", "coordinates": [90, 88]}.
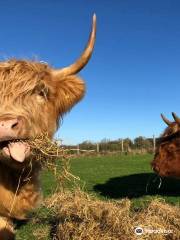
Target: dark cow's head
{"type": "Point", "coordinates": [34, 96]}
{"type": "Point", "coordinates": [167, 157]}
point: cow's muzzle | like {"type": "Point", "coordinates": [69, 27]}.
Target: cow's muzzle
{"type": "Point", "coordinates": [10, 127]}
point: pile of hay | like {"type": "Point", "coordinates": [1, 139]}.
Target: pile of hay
{"type": "Point", "coordinates": [79, 216]}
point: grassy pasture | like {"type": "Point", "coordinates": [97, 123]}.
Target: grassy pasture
{"type": "Point", "coordinates": [116, 177]}
{"type": "Point", "coordinates": [108, 177]}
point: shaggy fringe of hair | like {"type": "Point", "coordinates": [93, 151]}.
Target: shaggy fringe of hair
{"type": "Point", "coordinates": [26, 73]}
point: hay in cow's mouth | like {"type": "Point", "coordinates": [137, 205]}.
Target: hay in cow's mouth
{"type": "Point", "coordinates": [4, 142]}
{"type": "Point", "coordinates": [40, 146]}
{"type": "Point", "coordinates": [49, 155]}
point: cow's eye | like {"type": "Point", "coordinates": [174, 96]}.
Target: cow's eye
{"type": "Point", "coordinates": [42, 91]}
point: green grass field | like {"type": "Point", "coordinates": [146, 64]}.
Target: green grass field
{"type": "Point", "coordinates": [110, 177]}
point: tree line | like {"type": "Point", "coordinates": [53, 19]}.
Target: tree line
{"type": "Point", "coordinates": [124, 145]}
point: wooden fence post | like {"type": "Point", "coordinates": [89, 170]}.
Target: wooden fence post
{"type": "Point", "coordinates": [78, 150]}
{"type": "Point", "coordinates": [154, 144]}
{"type": "Point", "coordinates": [122, 145]}
{"type": "Point", "coordinates": [97, 147]}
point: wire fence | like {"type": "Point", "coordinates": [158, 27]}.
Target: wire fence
{"type": "Point", "coordinates": [140, 145]}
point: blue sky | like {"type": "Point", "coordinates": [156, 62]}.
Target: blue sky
{"type": "Point", "coordinates": [134, 72]}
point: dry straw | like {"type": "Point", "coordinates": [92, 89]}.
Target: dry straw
{"type": "Point", "coordinates": [53, 157]}
{"type": "Point", "coordinates": [83, 217]}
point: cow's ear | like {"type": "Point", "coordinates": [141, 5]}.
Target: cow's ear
{"type": "Point", "coordinates": [69, 91]}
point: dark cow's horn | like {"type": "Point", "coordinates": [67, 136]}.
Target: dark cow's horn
{"type": "Point", "coordinates": [165, 120]}
{"type": "Point", "coordinates": [176, 118]}
{"type": "Point", "coordinates": [83, 59]}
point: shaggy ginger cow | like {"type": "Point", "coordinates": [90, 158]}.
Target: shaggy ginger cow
{"type": "Point", "coordinates": [167, 157]}
{"type": "Point", "coordinates": [33, 97]}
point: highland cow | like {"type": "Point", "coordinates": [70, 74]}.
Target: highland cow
{"type": "Point", "coordinates": [167, 157]}
{"type": "Point", "coordinates": [33, 97]}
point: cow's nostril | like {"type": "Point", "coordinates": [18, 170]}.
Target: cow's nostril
{"type": "Point", "coordinates": [14, 125]}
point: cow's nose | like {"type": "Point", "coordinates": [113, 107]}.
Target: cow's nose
{"type": "Point", "coordinates": [10, 126]}
{"type": "Point", "coordinates": [156, 168]}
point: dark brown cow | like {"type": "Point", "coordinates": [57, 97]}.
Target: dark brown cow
{"type": "Point", "coordinates": [33, 97]}
{"type": "Point", "coordinates": [167, 157]}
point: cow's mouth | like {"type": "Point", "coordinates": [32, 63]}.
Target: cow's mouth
{"type": "Point", "coordinates": [17, 149]}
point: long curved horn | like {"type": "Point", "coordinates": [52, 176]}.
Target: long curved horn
{"type": "Point", "coordinates": [165, 120]}
{"type": "Point", "coordinates": [176, 118]}
{"type": "Point", "coordinates": [83, 59]}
